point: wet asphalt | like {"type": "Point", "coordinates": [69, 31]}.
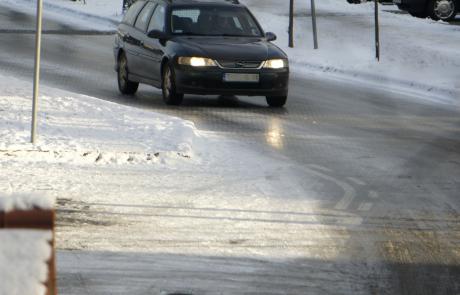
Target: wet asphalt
{"type": "Point", "coordinates": [399, 152]}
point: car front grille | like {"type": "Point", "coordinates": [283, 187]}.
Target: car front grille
{"type": "Point", "coordinates": [239, 64]}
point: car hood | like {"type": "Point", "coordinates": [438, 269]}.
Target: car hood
{"type": "Point", "coordinates": [231, 48]}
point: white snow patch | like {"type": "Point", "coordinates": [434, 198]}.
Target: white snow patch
{"type": "Point", "coordinates": [85, 130]}
{"type": "Point", "coordinates": [25, 202]}
{"type": "Point", "coordinates": [23, 257]}
{"type": "Point", "coordinates": [418, 56]}
{"type": "Point", "coordinates": [96, 15]}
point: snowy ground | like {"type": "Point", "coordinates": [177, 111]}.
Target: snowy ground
{"type": "Point", "coordinates": [417, 55]}
{"type": "Point", "coordinates": [89, 151]}
{"type": "Point", "coordinates": [81, 129]}
{"type": "Point", "coordinates": [132, 185]}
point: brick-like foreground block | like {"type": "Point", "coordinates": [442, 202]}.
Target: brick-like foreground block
{"type": "Point", "coordinates": [35, 219]}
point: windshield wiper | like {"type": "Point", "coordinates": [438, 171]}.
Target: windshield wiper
{"type": "Point", "coordinates": [213, 35]}
{"type": "Point", "coordinates": [191, 34]}
{"type": "Point", "coordinates": [233, 35]}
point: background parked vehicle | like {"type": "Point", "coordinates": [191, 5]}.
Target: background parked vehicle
{"type": "Point", "coordinates": [436, 9]}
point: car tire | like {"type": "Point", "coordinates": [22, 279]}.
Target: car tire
{"type": "Point", "coordinates": [276, 101]}
{"type": "Point", "coordinates": [448, 13]}
{"type": "Point", "coordinates": [124, 84]}
{"type": "Point", "coordinates": [168, 87]}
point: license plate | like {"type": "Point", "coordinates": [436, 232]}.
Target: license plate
{"type": "Point", "coordinates": [236, 77]}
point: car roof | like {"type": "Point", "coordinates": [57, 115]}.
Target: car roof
{"type": "Point", "coordinates": [203, 2]}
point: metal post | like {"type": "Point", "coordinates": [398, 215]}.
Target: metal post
{"type": "Point", "coordinates": [291, 23]}
{"type": "Point", "coordinates": [38, 39]}
{"type": "Point", "coordinates": [377, 31]}
{"type": "Point", "coordinates": [313, 19]}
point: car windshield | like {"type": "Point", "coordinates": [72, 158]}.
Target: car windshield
{"type": "Point", "coordinates": [214, 21]}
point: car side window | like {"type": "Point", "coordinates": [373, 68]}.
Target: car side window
{"type": "Point", "coordinates": [158, 19]}
{"type": "Point", "coordinates": [133, 11]}
{"type": "Point", "coordinates": [144, 17]}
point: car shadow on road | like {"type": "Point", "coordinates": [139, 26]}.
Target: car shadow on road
{"type": "Point", "coordinates": [254, 104]}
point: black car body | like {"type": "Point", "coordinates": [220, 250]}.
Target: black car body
{"type": "Point", "coordinates": [436, 9]}
{"type": "Point", "coordinates": [171, 44]}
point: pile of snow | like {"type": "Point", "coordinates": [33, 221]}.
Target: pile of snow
{"type": "Point", "coordinates": [416, 54]}
{"type": "Point", "coordinates": [110, 9]}
{"type": "Point", "coordinates": [25, 202]}
{"type": "Point", "coordinates": [23, 261]}
{"type": "Point", "coordinates": [94, 14]}
{"type": "Point", "coordinates": [85, 130]}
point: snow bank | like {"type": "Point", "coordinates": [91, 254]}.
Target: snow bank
{"type": "Point", "coordinates": [95, 14]}
{"type": "Point", "coordinates": [25, 202]}
{"type": "Point", "coordinates": [23, 257]}
{"type": "Point", "coordinates": [85, 130]}
{"type": "Point", "coordinates": [418, 55]}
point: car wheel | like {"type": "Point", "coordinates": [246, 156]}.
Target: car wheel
{"type": "Point", "coordinates": [276, 101]}
{"type": "Point", "coordinates": [442, 9]}
{"type": "Point", "coordinates": [168, 87]}
{"type": "Point", "coordinates": [124, 85]}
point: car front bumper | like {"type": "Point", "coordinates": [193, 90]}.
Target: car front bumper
{"type": "Point", "coordinates": [210, 81]}
{"type": "Point", "coordinates": [412, 5]}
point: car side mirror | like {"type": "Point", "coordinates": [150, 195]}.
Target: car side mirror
{"type": "Point", "coordinates": [155, 34]}
{"type": "Point", "coordinates": [270, 36]}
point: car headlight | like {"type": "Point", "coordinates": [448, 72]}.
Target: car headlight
{"type": "Point", "coordinates": [276, 64]}
{"type": "Point", "coordinates": [196, 62]}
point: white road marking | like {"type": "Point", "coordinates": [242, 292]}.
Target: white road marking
{"type": "Point", "coordinates": [318, 167]}
{"type": "Point", "coordinates": [346, 200]}
{"type": "Point", "coordinates": [349, 191]}
{"type": "Point", "coordinates": [356, 180]}
{"type": "Point", "coordinates": [356, 220]}
{"type": "Point", "coordinates": [365, 206]}
{"type": "Point", "coordinates": [373, 195]}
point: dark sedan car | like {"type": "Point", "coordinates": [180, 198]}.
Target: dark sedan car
{"type": "Point", "coordinates": [197, 47]}
{"type": "Point", "coordinates": [436, 9]}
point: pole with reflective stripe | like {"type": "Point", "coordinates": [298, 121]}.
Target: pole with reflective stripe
{"type": "Point", "coordinates": [377, 30]}
{"type": "Point", "coordinates": [291, 23]}
{"type": "Point", "coordinates": [313, 19]}
{"type": "Point", "coordinates": [38, 39]}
